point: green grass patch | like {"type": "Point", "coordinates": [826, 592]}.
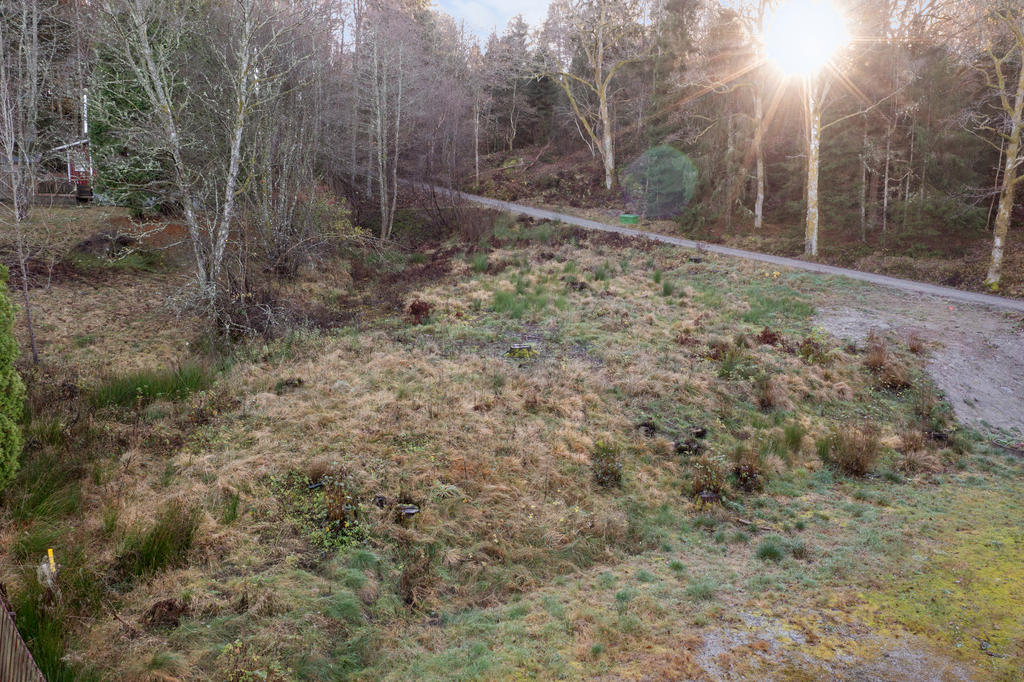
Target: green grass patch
{"type": "Point", "coordinates": [143, 387]}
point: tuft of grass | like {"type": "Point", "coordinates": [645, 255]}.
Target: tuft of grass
{"type": "Point", "coordinates": [145, 386]}
{"type": "Point", "coordinates": [667, 288]}
{"type": "Point", "coordinates": [164, 545]}
{"type": "Point", "coordinates": [772, 548]}
{"type": "Point", "coordinates": [854, 451]}
{"type": "Point", "coordinates": [478, 262]}
{"type": "Point", "coordinates": [793, 435]}
{"type": "Point", "coordinates": [702, 589]}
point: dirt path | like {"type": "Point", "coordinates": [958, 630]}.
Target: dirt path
{"type": "Point", "coordinates": [882, 280]}
{"type": "Point", "coordinates": [975, 355]}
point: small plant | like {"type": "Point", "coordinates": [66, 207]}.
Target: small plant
{"type": "Point", "coordinates": [747, 469]}
{"type": "Point", "coordinates": [600, 274]}
{"type": "Point", "coordinates": [709, 476]}
{"type": "Point", "coordinates": [607, 464]}
{"type": "Point", "coordinates": [814, 349]}
{"type": "Point", "coordinates": [772, 548]}
{"type": "Point", "coordinates": [916, 344]}
{"type": "Point", "coordinates": [853, 450]}
{"type": "Point", "coordinates": [667, 288]}
{"type": "Point", "coordinates": [657, 276]}
{"type": "Point", "coordinates": [734, 362]}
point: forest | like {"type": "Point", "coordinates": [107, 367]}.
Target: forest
{"type": "Point", "coordinates": [282, 399]}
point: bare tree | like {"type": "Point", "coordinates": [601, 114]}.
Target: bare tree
{"type": "Point", "coordinates": [30, 36]}
{"type": "Point", "coordinates": [202, 73]}
{"type": "Point", "coordinates": [1003, 35]}
{"type": "Point", "coordinates": [608, 34]}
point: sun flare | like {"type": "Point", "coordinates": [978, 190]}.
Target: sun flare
{"type": "Point", "coordinates": [802, 35]}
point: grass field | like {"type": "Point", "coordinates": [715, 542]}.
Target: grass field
{"type": "Point", "coordinates": [576, 457]}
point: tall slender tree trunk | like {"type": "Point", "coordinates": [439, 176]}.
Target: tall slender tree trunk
{"type": "Point", "coordinates": [813, 152]}
{"type": "Point", "coordinates": [759, 160]}
{"type": "Point", "coordinates": [864, 186]}
{"type": "Point", "coordinates": [1008, 189]}
{"type": "Point", "coordinates": [607, 144]}
{"type": "Point", "coordinates": [885, 182]}
{"type": "Point", "coordinates": [476, 145]}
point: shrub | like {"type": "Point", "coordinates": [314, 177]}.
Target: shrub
{"type": "Point", "coordinates": [709, 475]}
{"type": "Point", "coordinates": [607, 463]}
{"type": "Point", "coordinates": [12, 390]}
{"type": "Point", "coordinates": [143, 387]}
{"type": "Point", "coordinates": [853, 450]}
{"type": "Point", "coordinates": [163, 545]}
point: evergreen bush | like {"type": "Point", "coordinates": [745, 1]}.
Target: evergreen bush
{"type": "Point", "coordinates": [12, 390]}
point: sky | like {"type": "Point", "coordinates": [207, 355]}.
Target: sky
{"type": "Point", "coordinates": [482, 16]}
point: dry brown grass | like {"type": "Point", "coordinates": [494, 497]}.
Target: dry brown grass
{"type": "Point", "coordinates": [890, 372]}
{"type": "Point", "coordinates": [854, 450]}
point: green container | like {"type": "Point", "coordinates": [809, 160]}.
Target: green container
{"type": "Point", "coordinates": [629, 219]}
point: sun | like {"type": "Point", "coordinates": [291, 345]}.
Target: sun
{"type": "Point", "coordinates": [802, 35]}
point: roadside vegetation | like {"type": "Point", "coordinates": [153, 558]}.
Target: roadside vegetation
{"type": "Point", "coordinates": [533, 452]}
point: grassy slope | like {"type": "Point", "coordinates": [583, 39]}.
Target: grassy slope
{"type": "Point", "coordinates": [518, 564]}
{"type": "Point", "coordinates": [934, 252]}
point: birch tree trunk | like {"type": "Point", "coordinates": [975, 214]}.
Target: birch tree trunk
{"type": "Point", "coordinates": [813, 152]}
{"type": "Point", "coordinates": [1008, 189]}
{"type": "Point", "coordinates": [759, 158]}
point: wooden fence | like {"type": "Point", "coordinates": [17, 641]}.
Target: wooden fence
{"type": "Point", "coordinates": [16, 663]}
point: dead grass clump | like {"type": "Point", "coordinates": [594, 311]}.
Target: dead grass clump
{"type": "Point", "coordinates": [918, 462]}
{"type": "Point", "coordinates": [916, 344]}
{"type": "Point", "coordinates": [889, 371]}
{"type": "Point", "coordinates": [911, 440]}
{"type": "Point", "coordinates": [854, 451]}
{"type": "Point", "coordinates": [747, 469]}
{"type": "Point", "coordinates": [770, 393]}
{"type": "Point", "coordinates": [709, 476]}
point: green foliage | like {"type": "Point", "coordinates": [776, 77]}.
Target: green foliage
{"type": "Point", "coordinates": [12, 390]}
{"type": "Point", "coordinates": [145, 386]}
{"type": "Point", "coordinates": [165, 544]}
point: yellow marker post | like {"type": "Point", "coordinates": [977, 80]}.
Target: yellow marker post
{"type": "Point", "coordinates": [53, 566]}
